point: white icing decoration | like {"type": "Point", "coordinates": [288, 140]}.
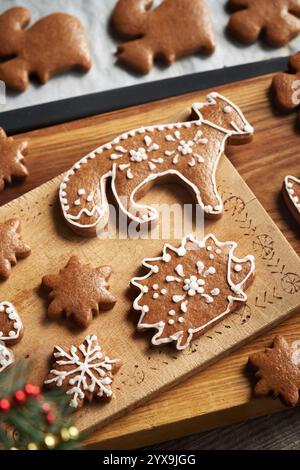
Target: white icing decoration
{"type": "Point", "coordinates": [6, 357]}
{"type": "Point", "coordinates": [88, 372]}
{"type": "Point", "coordinates": [81, 192]}
{"type": "Point", "coordinates": [124, 166]}
{"type": "Point", "coordinates": [77, 202]}
{"type": "Point", "coordinates": [197, 285]}
{"type": "Point", "coordinates": [155, 286]}
{"type": "Point", "coordinates": [7, 309]}
{"type": "Point", "coordinates": [181, 320]}
{"type": "Point", "coordinates": [171, 321]}
{"type": "Point", "coordinates": [290, 181]}
{"type": "Point", "coordinates": [163, 291]}
{"type": "Point", "coordinates": [238, 268]}
{"type": "Point", "coordinates": [129, 174]}
{"type": "Point", "coordinates": [179, 270]}
{"type": "Point", "coordinates": [99, 210]}
{"type": "Point", "coordinates": [155, 295]}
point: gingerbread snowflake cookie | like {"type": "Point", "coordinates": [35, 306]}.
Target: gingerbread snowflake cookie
{"type": "Point", "coordinates": [285, 86]}
{"type": "Point", "coordinates": [80, 291]}
{"type": "Point", "coordinates": [52, 45]}
{"type": "Point", "coordinates": [278, 371]}
{"type": "Point", "coordinates": [277, 20]}
{"type": "Point", "coordinates": [291, 194]}
{"type": "Point", "coordinates": [189, 289]}
{"type": "Point", "coordinates": [11, 246]}
{"type": "Point", "coordinates": [6, 357]}
{"type": "Point", "coordinates": [12, 165]}
{"type": "Point", "coordinates": [155, 31]}
{"type": "Point", "coordinates": [11, 326]}
{"type": "Point", "coordinates": [134, 161]}
{"type": "Point", "coordinates": [83, 372]}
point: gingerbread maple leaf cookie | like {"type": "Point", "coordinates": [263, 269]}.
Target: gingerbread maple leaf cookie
{"type": "Point", "coordinates": [155, 32]}
{"type": "Point", "coordinates": [190, 288]}
{"type": "Point", "coordinates": [278, 371]}
{"type": "Point", "coordinates": [188, 152]}
{"type": "Point", "coordinates": [11, 246]}
{"type": "Point", "coordinates": [291, 193]}
{"type": "Point", "coordinates": [6, 357]}
{"type": "Point", "coordinates": [11, 326]}
{"type": "Point", "coordinates": [278, 20]}
{"type": "Point", "coordinates": [12, 164]}
{"type": "Point", "coordinates": [53, 44]}
{"type": "Point", "coordinates": [80, 291]}
{"type": "Point", "coordinates": [83, 372]}
{"type": "Point", "coordinates": [285, 86]}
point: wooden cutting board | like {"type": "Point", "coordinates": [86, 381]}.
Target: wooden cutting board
{"type": "Point", "coordinates": [273, 297]}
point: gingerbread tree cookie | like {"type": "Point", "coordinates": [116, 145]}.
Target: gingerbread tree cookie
{"type": "Point", "coordinates": [80, 291]}
{"type": "Point", "coordinates": [188, 152]}
{"type": "Point", "coordinates": [83, 372]}
{"type": "Point", "coordinates": [286, 86]}
{"type": "Point", "coordinates": [291, 194]}
{"type": "Point", "coordinates": [155, 31]}
{"type": "Point", "coordinates": [52, 45]}
{"type": "Point", "coordinates": [191, 288]}
{"type": "Point", "coordinates": [6, 357]}
{"type": "Point", "coordinates": [12, 164]}
{"type": "Point", "coordinates": [11, 246]}
{"type": "Point", "coordinates": [278, 20]}
{"type": "Point", "coordinates": [11, 326]}
{"type": "Point", "coordinates": [278, 371]}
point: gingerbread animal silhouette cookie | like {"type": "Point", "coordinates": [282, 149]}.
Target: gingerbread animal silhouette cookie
{"type": "Point", "coordinates": [12, 165]}
{"type": "Point", "coordinates": [291, 194]}
{"type": "Point", "coordinates": [11, 326]}
{"type": "Point", "coordinates": [134, 161]}
{"type": "Point", "coordinates": [52, 45]}
{"type": "Point", "coordinates": [277, 20]}
{"type": "Point", "coordinates": [11, 247]}
{"type": "Point", "coordinates": [286, 86]}
{"type": "Point", "coordinates": [278, 370]}
{"type": "Point", "coordinates": [83, 372]}
{"type": "Point", "coordinates": [191, 288]}
{"type": "Point", "coordinates": [154, 32]}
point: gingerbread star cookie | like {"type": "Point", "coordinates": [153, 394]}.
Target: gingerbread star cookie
{"type": "Point", "coordinates": [291, 194]}
{"type": "Point", "coordinates": [191, 288]}
{"type": "Point", "coordinates": [11, 246]}
{"type": "Point", "coordinates": [154, 32]}
{"type": "Point", "coordinates": [52, 45]}
{"type": "Point", "coordinates": [285, 86]}
{"type": "Point", "coordinates": [187, 152]}
{"type": "Point", "coordinates": [278, 371]}
{"type": "Point", "coordinates": [6, 357]}
{"type": "Point", "coordinates": [277, 20]}
{"type": "Point", "coordinates": [80, 291]}
{"type": "Point", "coordinates": [83, 372]}
{"type": "Point", "coordinates": [11, 326]}
{"type": "Point", "coordinates": [12, 165]}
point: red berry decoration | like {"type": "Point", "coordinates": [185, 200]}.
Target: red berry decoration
{"type": "Point", "coordinates": [50, 417]}
{"type": "Point", "coordinates": [4, 405]}
{"type": "Point", "coordinates": [32, 390]}
{"type": "Point", "coordinates": [20, 397]}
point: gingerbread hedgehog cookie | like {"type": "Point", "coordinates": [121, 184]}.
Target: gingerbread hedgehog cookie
{"type": "Point", "coordinates": [189, 289]}
{"type": "Point", "coordinates": [54, 44]}
{"type": "Point", "coordinates": [83, 372]}
{"type": "Point", "coordinates": [11, 246]}
{"type": "Point", "coordinates": [154, 32]}
{"type": "Point", "coordinates": [277, 20]}
{"type": "Point", "coordinates": [188, 152]}
{"type": "Point", "coordinates": [291, 194]}
{"type": "Point", "coordinates": [11, 326]}
{"type": "Point", "coordinates": [12, 165]}
{"type": "Point", "coordinates": [80, 291]}
{"type": "Point", "coordinates": [6, 357]}
{"type": "Point", "coordinates": [278, 371]}
{"type": "Point", "coordinates": [285, 86]}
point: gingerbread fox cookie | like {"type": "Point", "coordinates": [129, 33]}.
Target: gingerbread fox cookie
{"type": "Point", "coordinates": [286, 86]}
{"type": "Point", "coordinates": [291, 194]}
{"type": "Point", "coordinates": [189, 289]}
{"type": "Point", "coordinates": [155, 32]}
{"type": "Point", "coordinates": [52, 45]}
{"type": "Point", "coordinates": [79, 291]}
{"type": "Point", "coordinates": [134, 161]}
{"type": "Point", "coordinates": [12, 165]}
{"type": "Point", "coordinates": [11, 326]}
{"type": "Point", "coordinates": [278, 371]}
{"type": "Point", "coordinates": [11, 247]}
{"type": "Point", "coordinates": [83, 372]}
{"type": "Point", "coordinates": [6, 357]}
{"type": "Point", "coordinates": [277, 20]}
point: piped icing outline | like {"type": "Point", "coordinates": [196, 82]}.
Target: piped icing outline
{"type": "Point", "coordinates": [211, 100]}
{"type": "Point", "coordinates": [9, 309]}
{"type": "Point", "coordinates": [8, 357]}
{"type": "Point", "coordinates": [181, 251]}
{"type": "Point", "coordinates": [290, 191]}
